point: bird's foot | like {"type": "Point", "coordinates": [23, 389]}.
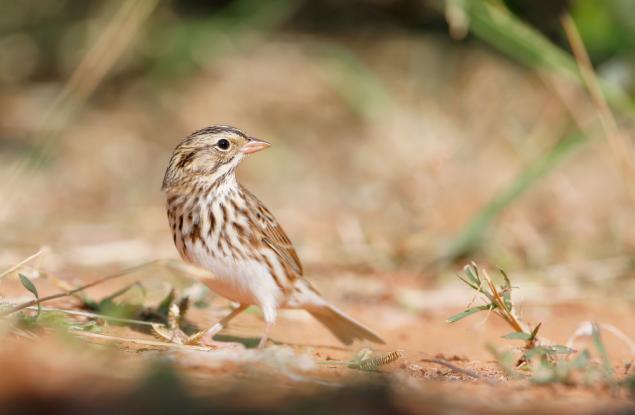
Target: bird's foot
{"type": "Point", "coordinates": [263, 342]}
{"type": "Point", "coordinates": [206, 338]}
{"type": "Point", "coordinates": [265, 337]}
{"type": "Point", "coordinates": [213, 344]}
{"type": "Point", "coordinates": [171, 334]}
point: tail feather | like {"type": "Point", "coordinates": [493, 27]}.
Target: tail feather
{"type": "Point", "coordinates": [342, 326]}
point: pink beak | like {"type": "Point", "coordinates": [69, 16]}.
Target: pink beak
{"type": "Point", "coordinates": [254, 145]}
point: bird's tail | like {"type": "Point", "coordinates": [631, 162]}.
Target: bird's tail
{"type": "Point", "coordinates": [342, 326]}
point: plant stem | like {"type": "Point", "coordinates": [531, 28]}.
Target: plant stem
{"type": "Point", "coordinates": [78, 289]}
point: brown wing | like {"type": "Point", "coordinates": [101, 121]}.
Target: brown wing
{"type": "Point", "coordinates": [272, 233]}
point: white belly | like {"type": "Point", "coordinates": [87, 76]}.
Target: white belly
{"type": "Point", "coordinates": [242, 281]}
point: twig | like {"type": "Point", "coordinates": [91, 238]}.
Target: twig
{"type": "Point", "coordinates": [78, 289]}
{"type": "Point", "coordinates": [140, 341]}
{"type": "Point", "coordinates": [502, 309]}
{"type": "Point", "coordinates": [466, 372]}
{"type": "Point", "coordinates": [620, 148]}
{"type": "Point", "coordinates": [94, 315]}
{"type": "Point", "coordinates": [42, 250]}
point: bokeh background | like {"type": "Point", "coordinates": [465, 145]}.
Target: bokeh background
{"type": "Point", "coordinates": [409, 138]}
{"type": "Point", "coordinates": [392, 130]}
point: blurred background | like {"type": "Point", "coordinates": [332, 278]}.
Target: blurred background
{"type": "Point", "coordinates": [409, 138]}
{"type": "Point", "coordinates": [407, 134]}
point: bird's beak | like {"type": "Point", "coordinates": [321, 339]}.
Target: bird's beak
{"type": "Point", "coordinates": [254, 145]}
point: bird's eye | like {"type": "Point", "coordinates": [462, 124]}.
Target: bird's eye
{"type": "Point", "coordinates": [223, 144]}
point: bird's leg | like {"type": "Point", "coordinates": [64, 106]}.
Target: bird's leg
{"type": "Point", "coordinates": [265, 335]}
{"type": "Point", "coordinates": [206, 336]}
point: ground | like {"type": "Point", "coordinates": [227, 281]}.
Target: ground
{"type": "Point", "coordinates": [443, 367]}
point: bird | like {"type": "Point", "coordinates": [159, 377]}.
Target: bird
{"type": "Point", "coordinates": [220, 226]}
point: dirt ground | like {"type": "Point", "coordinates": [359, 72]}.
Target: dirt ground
{"type": "Point", "coordinates": [443, 368]}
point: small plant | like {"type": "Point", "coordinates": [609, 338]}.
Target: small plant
{"type": "Point", "coordinates": [541, 361]}
{"type": "Point", "coordinates": [28, 284]}
{"type": "Point", "coordinates": [497, 300]}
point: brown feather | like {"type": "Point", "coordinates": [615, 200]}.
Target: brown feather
{"type": "Point", "coordinates": [272, 233]}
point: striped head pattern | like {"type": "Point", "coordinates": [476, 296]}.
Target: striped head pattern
{"type": "Point", "coordinates": [207, 156]}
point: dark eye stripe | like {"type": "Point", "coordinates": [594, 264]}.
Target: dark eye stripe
{"type": "Point", "coordinates": [184, 161]}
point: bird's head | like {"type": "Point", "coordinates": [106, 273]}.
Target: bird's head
{"type": "Point", "coordinates": [208, 155]}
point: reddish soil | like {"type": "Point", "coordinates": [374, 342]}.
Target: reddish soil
{"type": "Point", "coordinates": [238, 378]}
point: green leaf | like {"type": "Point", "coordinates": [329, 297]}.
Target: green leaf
{"type": "Point", "coordinates": [471, 272]}
{"type": "Point", "coordinates": [109, 307]}
{"type": "Point", "coordinates": [538, 351]}
{"type": "Point", "coordinates": [469, 312]}
{"type": "Point", "coordinates": [474, 287]}
{"type": "Point", "coordinates": [508, 283]}
{"type": "Point", "coordinates": [507, 298]}
{"type": "Point", "coordinates": [559, 349]}
{"type": "Point", "coordinates": [473, 280]}
{"type": "Point", "coordinates": [28, 284]}
{"type": "Point", "coordinates": [514, 335]}
{"type": "Point", "coordinates": [543, 351]}
{"type": "Point", "coordinates": [534, 332]}
{"type": "Point", "coordinates": [120, 310]}
{"type": "Point", "coordinates": [599, 345]}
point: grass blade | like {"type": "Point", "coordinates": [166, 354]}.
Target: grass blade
{"type": "Point", "coordinates": [504, 31]}
{"type": "Point", "coordinates": [534, 332]}
{"type": "Point", "coordinates": [471, 235]}
{"type": "Point", "coordinates": [604, 356]}
{"type": "Point", "coordinates": [469, 312]}
{"type": "Point", "coordinates": [514, 335]}
{"type": "Point", "coordinates": [496, 26]}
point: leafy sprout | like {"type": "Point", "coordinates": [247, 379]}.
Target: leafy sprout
{"type": "Point", "coordinates": [539, 361]}
{"type": "Point", "coordinates": [497, 300]}
{"type": "Point", "coordinates": [28, 284]}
